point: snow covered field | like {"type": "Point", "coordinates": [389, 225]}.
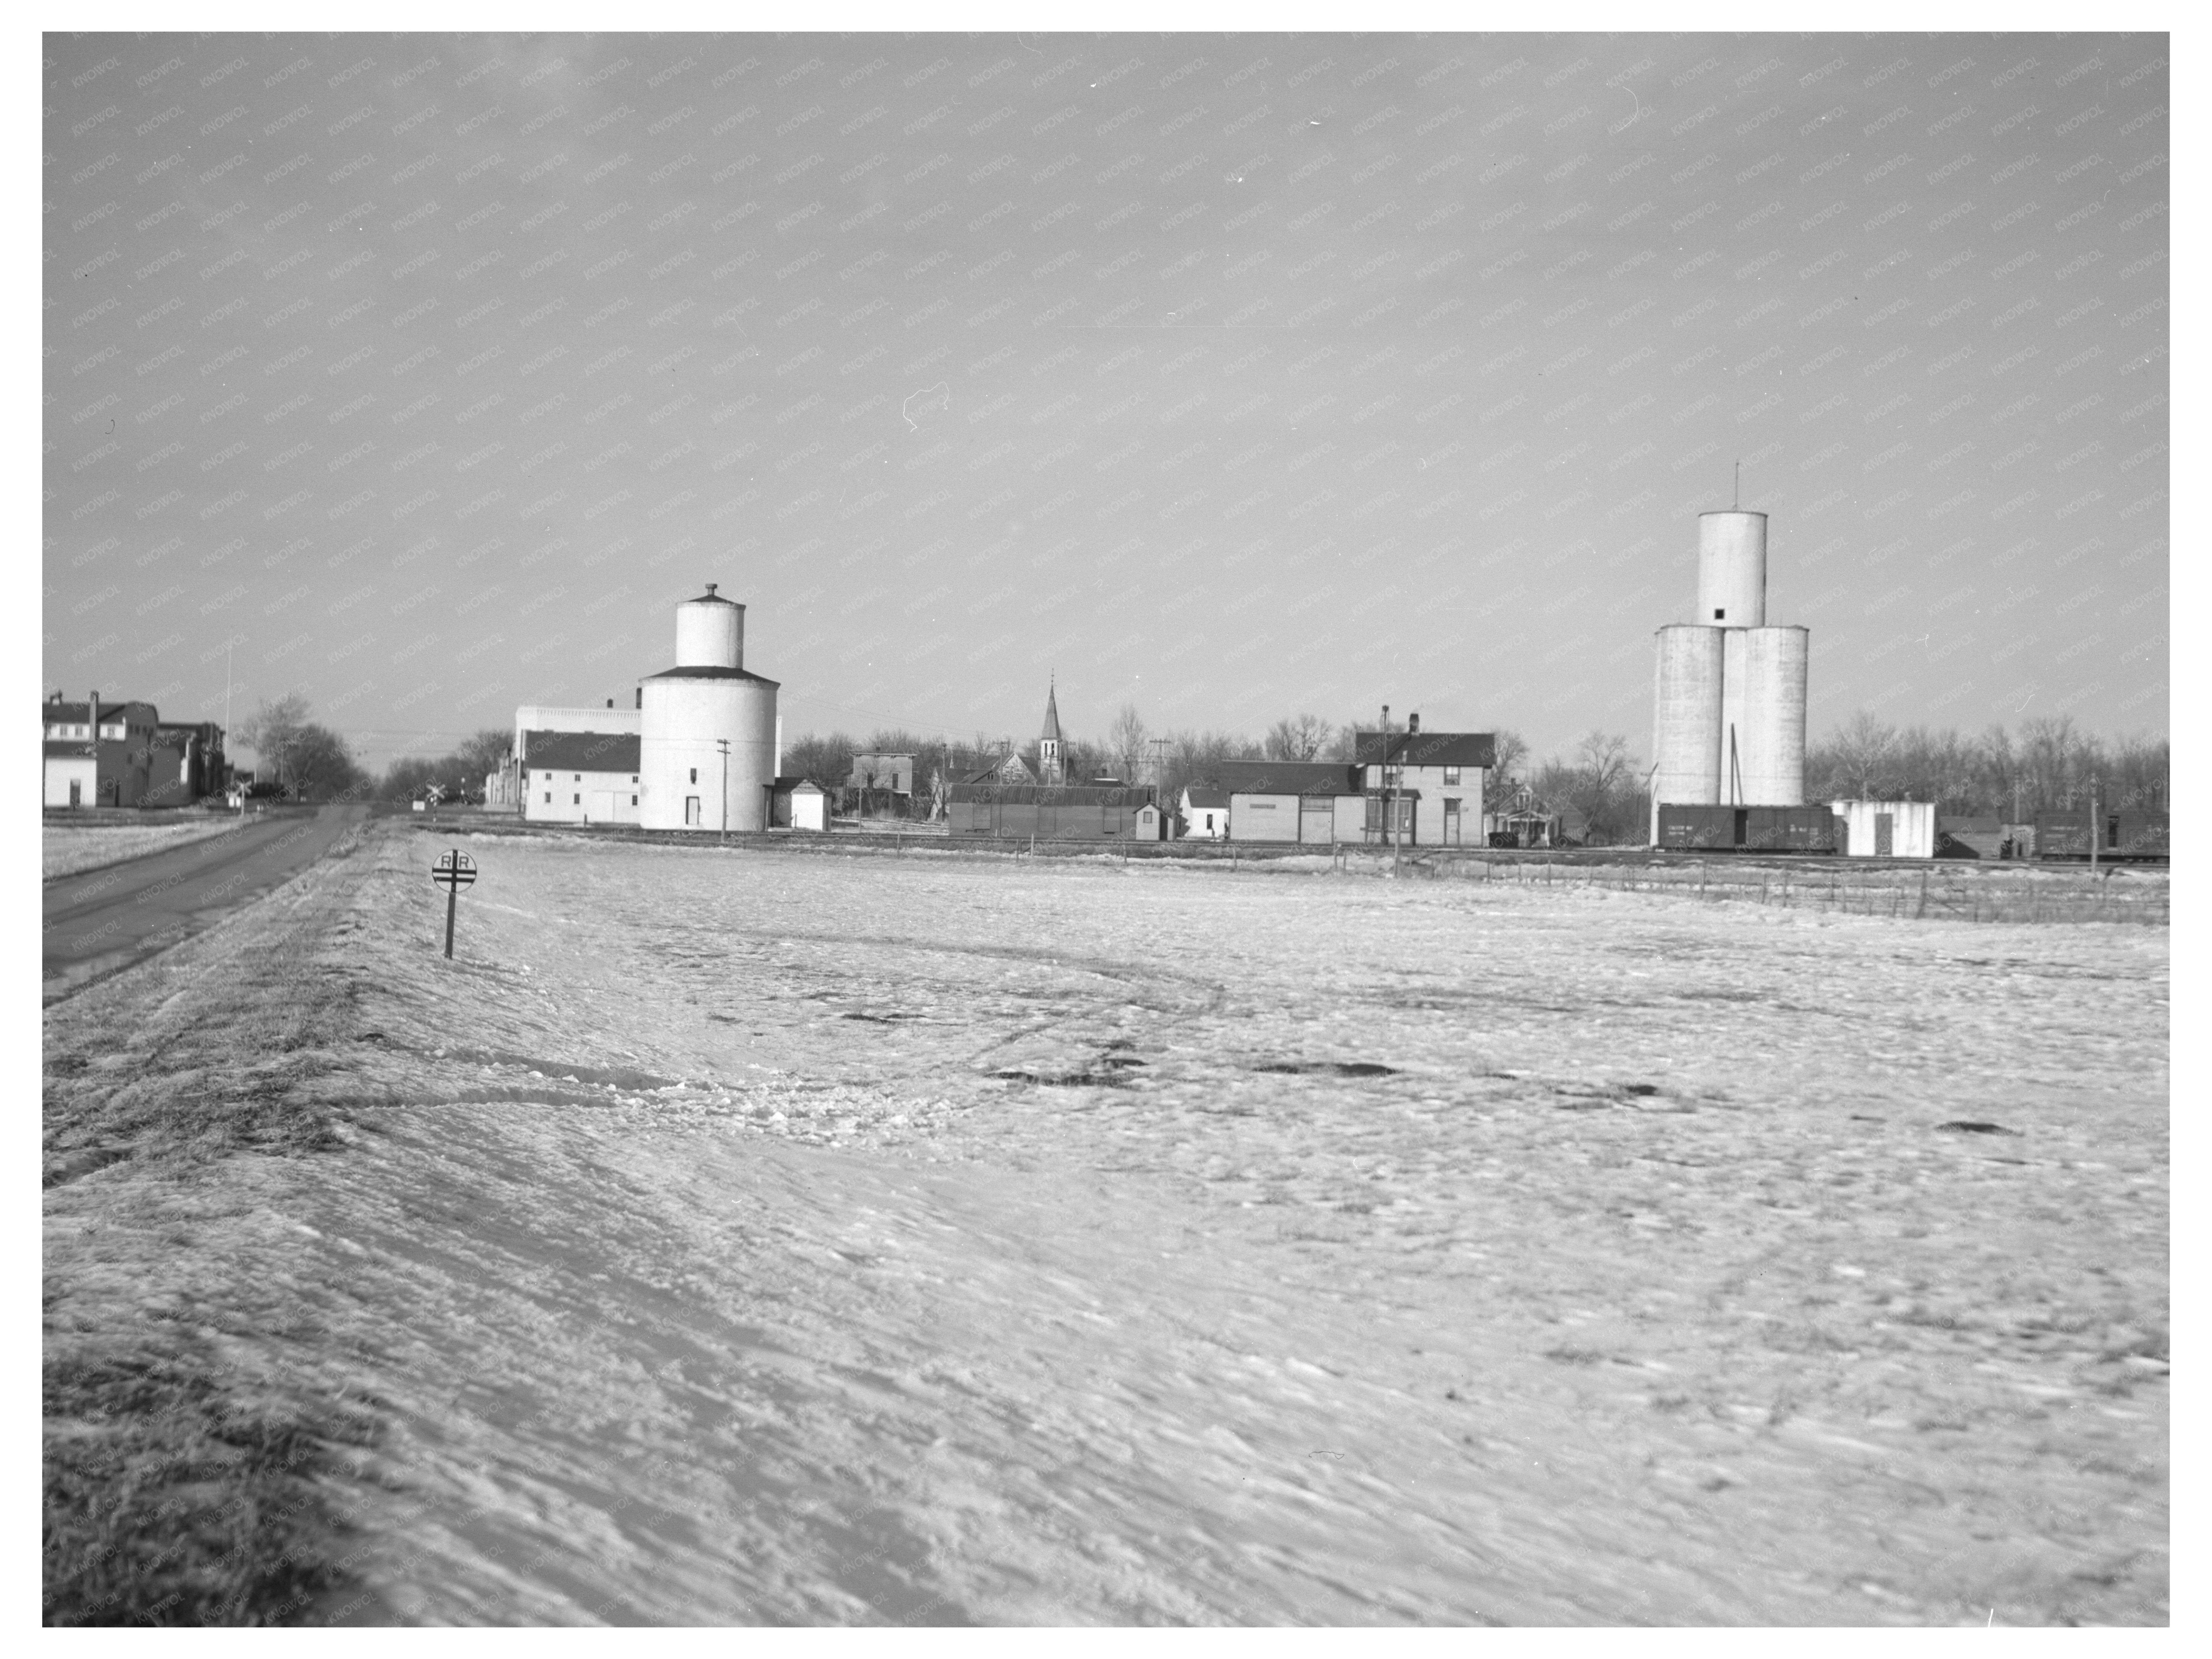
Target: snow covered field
{"type": "Point", "coordinates": [737, 1235]}
{"type": "Point", "coordinates": [71, 847]}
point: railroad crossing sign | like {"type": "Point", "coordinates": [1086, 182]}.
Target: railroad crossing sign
{"type": "Point", "coordinates": [453, 872]}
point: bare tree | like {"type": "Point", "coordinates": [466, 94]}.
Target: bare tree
{"type": "Point", "coordinates": [1864, 754]}
{"type": "Point", "coordinates": [1126, 743]}
{"type": "Point", "coordinates": [1509, 757]}
{"type": "Point", "coordinates": [1301, 738]}
{"type": "Point", "coordinates": [273, 729]}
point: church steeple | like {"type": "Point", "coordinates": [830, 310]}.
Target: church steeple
{"type": "Point", "coordinates": [1049, 764]}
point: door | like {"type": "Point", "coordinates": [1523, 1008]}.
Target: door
{"type": "Point", "coordinates": [76, 792]}
{"type": "Point", "coordinates": [1451, 821]}
{"type": "Point", "coordinates": [1316, 819]}
{"type": "Point", "coordinates": [1884, 834]}
{"type": "Point", "coordinates": [601, 808]}
{"type": "Point", "coordinates": [690, 811]}
{"type": "Point", "coordinates": [1743, 827]}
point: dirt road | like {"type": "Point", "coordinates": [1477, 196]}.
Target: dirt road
{"type": "Point", "coordinates": [105, 918]}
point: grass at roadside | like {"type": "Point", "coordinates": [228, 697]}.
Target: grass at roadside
{"type": "Point", "coordinates": [182, 1482]}
{"type": "Point", "coordinates": [70, 847]}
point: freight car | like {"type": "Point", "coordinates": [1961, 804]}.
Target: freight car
{"type": "Point", "coordinates": [1747, 828]}
{"type": "Point", "coordinates": [2130, 836]}
{"type": "Point", "coordinates": [1054, 811]}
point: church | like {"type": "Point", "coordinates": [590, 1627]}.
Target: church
{"type": "Point", "coordinates": [1051, 769]}
{"type": "Point", "coordinates": [1009, 799]}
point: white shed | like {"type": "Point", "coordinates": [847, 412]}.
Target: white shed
{"type": "Point", "coordinates": [1885, 829]}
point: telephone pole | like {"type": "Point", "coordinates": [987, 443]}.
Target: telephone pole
{"type": "Point", "coordinates": [723, 743]}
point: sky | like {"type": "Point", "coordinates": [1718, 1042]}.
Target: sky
{"type": "Point", "coordinates": [1235, 377]}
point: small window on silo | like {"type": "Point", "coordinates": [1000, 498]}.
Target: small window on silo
{"type": "Point", "coordinates": [1718, 615]}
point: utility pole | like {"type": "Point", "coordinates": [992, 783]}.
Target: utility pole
{"type": "Point", "coordinates": [2094, 824]}
{"type": "Point", "coordinates": [723, 743]}
{"type": "Point", "coordinates": [1382, 774]}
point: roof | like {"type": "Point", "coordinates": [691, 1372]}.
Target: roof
{"type": "Point", "coordinates": [793, 785]}
{"type": "Point", "coordinates": [1052, 794]}
{"type": "Point", "coordinates": [1201, 794]}
{"type": "Point", "coordinates": [1051, 714]}
{"type": "Point", "coordinates": [1283, 778]}
{"type": "Point", "coordinates": [581, 752]}
{"type": "Point", "coordinates": [711, 673]}
{"type": "Point", "coordinates": [710, 597]}
{"type": "Point", "coordinates": [1427, 749]}
{"type": "Point", "coordinates": [58, 748]}
{"type": "Point", "coordinates": [996, 770]}
{"type": "Point", "coordinates": [82, 711]}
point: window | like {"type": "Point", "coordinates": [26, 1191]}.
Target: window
{"type": "Point", "coordinates": [633, 777]}
{"type": "Point", "coordinates": [1451, 775]}
{"type": "Point", "coordinates": [695, 774]}
{"type": "Point", "coordinates": [549, 797]}
{"type": "Point", "coordinates": [575, 800]}
{"type": "Point", "coordinates": [1718, 615]}
{"type": "Point", "coordinates": [580, 777]}
{"type": "Point", "coordinates": [632, 799]}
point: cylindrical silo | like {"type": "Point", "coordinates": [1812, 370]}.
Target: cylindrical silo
{"type": "Point", "coordinates": [1686, 736]}
{"type": "Point", "coordinates": [1732, 568]}
{"type": "Point", "coordinates": [690, 711]}
{"type": "Point", "coordinates": [710, 632]}
{"type": "Point", "coordinates": [1763, 716]}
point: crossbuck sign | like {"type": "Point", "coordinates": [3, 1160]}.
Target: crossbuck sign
{"type": "Point", "coordinates": [453, 872]}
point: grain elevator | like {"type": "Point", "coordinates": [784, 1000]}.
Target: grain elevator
{"type": "Point", "coordinates": [689, 712]}
{"type": "Point", "coordinates": [1729, 699]}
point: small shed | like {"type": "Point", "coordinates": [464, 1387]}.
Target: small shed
{"type": "Point", "coordinates": [1885, 829]}
{"type": "Point", "coordinates": [799, 804]}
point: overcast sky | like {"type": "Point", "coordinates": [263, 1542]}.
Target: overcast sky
{"type": "Point", "coordinates": [1236, 377]}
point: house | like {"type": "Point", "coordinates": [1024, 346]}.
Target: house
{"type": "Point", "coordinates": [890, 773]}
{"type": "Point", "coordinates": [580, 777]}
{"type": "Point", "coordinates": [1436, 777]}
{"type": "Point", "coordinates": [1009, 768]}
{"type": "Point", "coordinates": [1206, 812]}
{"type": "Point", "coordinates": [134, 759]}
{"type": "Point", "coordinates": [1885, 829]}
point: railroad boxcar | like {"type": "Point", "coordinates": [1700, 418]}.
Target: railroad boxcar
{"type": "Point", "coordinates": [1747, 829]}
{"type": "Point", "coordinates": [2133, 834]}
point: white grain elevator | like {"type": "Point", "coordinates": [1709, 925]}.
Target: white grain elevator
{"type": "Point", "coordinates": [1729, 699]}
{"type": "Point", "coordinates": [707, 749]}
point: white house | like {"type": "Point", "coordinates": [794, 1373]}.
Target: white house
{"type": "Point", "coordinates": [1437, 778]}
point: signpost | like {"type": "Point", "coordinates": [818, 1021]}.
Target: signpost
{"type": "Point", "coordinates": [453, 872]}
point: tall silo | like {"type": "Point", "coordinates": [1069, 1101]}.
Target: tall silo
{"type": "Point", "coordinates": [1685, 732]}
{"type": "Point", "coordinates": [1732, 568]}
{"type": "Point", "coordinates": [690, 710]}
{"type": "Point", "coordinates": [1763, 716]}
{"type": "Point", "coordinates": [1729, 697]}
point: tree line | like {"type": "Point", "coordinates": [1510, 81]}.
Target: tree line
{"type": "Point", "coordinates": [302, 759]}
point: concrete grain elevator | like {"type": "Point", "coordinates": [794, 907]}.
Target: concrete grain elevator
{"type": "Point", "coordinates": [690, 710]}
{"type": "Point", "coordinates": [1729, 700]}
